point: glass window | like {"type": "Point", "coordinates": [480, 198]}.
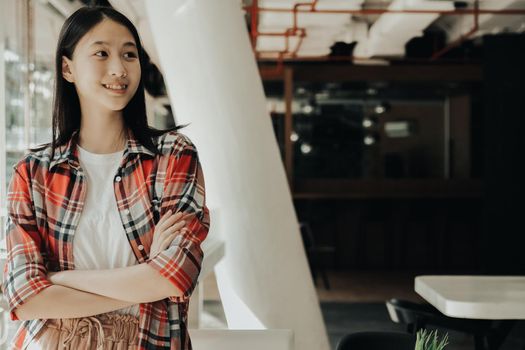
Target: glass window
{"type": "Point", "coordinates": [357, 130]}
{"type": "Point", "coordinates": [28, 38]}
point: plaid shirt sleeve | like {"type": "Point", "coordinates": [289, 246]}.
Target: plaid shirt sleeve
{"type": "Point", "coordinates": [184, 191]}
{"type": "Point", "coordinates": [24, 273]}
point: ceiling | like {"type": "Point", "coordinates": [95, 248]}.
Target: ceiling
{"type": "Point", "coordinates": [375, 35]}
{"type": "Point", "coordinates": [380, 36]}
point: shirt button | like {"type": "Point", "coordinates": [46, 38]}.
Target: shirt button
{"type": "Point", "coordinates": [141, 247]}
{"type": "Point", "coordinates": [118, 178]}
{"type": "Point", "coordinates": [126, 211]}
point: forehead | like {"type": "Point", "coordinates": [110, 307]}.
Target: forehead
{"type": "Point", "coordinates": [108, 31]}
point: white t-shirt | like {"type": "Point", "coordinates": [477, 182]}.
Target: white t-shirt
{"type": "Point", "coordinates": [100, 241]}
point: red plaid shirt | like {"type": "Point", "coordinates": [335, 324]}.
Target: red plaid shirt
{"type": "Point", "coordinates": [45, 201]}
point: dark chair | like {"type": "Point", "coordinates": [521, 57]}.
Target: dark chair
{"type": "Point", "coordinates": [417, 316]}
{"type": "Point", "coordinates": [313, 251]}
{"type": "Point", "coordinates": [377, 341]}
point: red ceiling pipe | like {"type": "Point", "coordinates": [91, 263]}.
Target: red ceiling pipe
{"type": "Point", "coordinates": [294, 31]}
{"type": "Point", "coordinates": [302, 31]}
{"type": "Point", "coordinates": [461, 12]}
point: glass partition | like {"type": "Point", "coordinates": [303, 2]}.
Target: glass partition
{"type": "Point", "coordinates": [28, 38]}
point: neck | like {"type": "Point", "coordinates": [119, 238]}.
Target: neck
{"type": "Point", "coordinates": [102, 132]}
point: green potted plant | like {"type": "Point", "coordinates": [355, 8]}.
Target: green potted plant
{"type": "Point", "coordinates": [430, 340]}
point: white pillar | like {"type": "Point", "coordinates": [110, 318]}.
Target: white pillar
{"type": "Point", "coordinates": [213, 82]}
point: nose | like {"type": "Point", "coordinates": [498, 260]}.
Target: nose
{"type": "Point", "coordinates": [116, 68]}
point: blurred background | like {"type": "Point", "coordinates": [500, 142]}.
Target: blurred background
{"type": "Point", "coordinates": [399, 125]}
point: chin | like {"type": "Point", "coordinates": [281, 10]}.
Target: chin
{"type": "Point", "coordinates": [115, 107]}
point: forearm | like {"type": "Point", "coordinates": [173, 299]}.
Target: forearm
{"type": "Point", "coordinates": [62, 302]}
{"type": "Point", "coordinates": [138, 283]}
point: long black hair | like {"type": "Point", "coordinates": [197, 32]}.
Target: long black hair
{"type": "Point", "coordinates": [66, 104]}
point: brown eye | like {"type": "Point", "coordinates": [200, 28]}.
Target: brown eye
{"type": "Point", "coordinates": [100, 52]}
{"type": "Point", "coordinates": [130, 55]}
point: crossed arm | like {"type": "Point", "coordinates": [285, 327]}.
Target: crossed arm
{"type": "Point", "coordinates": [81, 293]}
{"type": "Point", "coordinates": [136, 284]}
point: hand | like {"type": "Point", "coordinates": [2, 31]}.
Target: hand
{"type": "Point", "coordinates": [168, 227]}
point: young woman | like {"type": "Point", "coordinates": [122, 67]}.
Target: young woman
{"type": "Point", "coordinates": [105, 222]}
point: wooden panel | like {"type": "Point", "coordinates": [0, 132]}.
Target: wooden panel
{"type": "Point", "coordinates": [412, 188]}
{"type": "Point", "coordinates": [441, 235]}
{"type": "Point", "coordinates": [407, 73]}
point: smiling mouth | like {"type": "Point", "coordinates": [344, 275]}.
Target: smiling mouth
{"type": "Point", "coordinates": [115, 87]}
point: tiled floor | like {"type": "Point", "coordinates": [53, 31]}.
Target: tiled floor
{"type": "Point", "coordinates": [355, 302]}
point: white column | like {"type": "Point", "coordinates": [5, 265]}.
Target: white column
{"type": "Point", "coordinates": [213, 82]}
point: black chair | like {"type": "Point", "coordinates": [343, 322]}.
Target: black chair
{"type": "Point", "coordinates": [415, 316]}
{"type": "Point", "coordinates": [377, 341]}
{"type": "Point", "coordinates": [487, 335]}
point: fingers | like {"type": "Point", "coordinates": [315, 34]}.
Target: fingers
{"type": "Point", "coordinates": [170, 223]}
{"type": "Point", "coordinates": [186, 216]}
{"type": "Point", "coordinates": [179, 225]}
{"type": "Point", "coordinates": [167, 241]}
{"type": "Point", "coordinates": [178, 215]}
{"type": "Point", "coordinates": [167, 228]}
{"type": "Point", "coordinates": [168, 219]}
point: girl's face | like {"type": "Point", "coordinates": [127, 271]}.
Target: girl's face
{"type": "Point", "coordinates": [105, 67]}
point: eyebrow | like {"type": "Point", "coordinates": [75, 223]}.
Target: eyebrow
{"type": "Point", "coordinates": [128, 43]}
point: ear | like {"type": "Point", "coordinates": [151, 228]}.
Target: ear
{"type": "Point", "coordinates": [66, 69]}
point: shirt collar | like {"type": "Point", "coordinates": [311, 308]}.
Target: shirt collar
{"type": "Point", "coordinates": [69, 152]}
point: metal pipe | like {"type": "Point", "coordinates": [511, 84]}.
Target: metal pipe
{"type": "Point", "coordinates": [459, 12]}
{"type": "Point", "coordinates": [254, 22]}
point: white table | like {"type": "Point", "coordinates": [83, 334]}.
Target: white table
{"type": "Point", "coordinates": [499, 299]}
{"type": "Point", "coordinates": [475, 297]}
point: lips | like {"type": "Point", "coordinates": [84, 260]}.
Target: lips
{"type": "Point", "coordinates": [118, 87]}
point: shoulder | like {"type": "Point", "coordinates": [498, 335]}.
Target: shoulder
{"type": "Point", "coordinates": [174, 143]}
{"type": "Point", "coordinates": [34, 160]}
